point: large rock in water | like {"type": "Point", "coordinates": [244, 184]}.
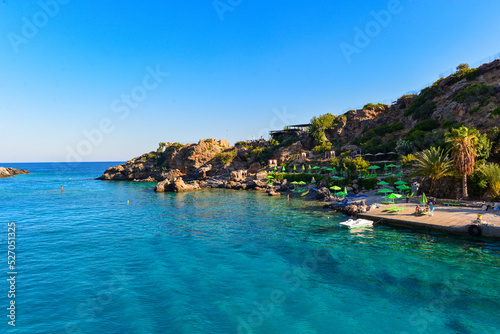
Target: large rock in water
{"type": "Point", "coordinates": [8, 172]}
{"type": "Point", "coordinates": [322, 193]}
{"type": "Point", "coordinates": [176, 185]}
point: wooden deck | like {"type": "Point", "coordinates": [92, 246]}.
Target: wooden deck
{"type": "Point", "coordinates": [450, 219]}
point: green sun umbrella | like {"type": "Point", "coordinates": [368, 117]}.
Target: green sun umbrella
{"type": "Point", "coordinates": [403, 187]}
{"type": "Point", "coordinates": [400, 182]}
{"type": "Point", "coordinates": [374, 167]}
{"type": "Point", "coordinates": [309, 167]}
{"type": "Point", "coordinates": [294, 168]}
{"type": "Point", "coordinates": [335, 188]}
{"type": "Point", "coordinates": [391, 165]}
{"type": "Point", "coordinates": [385, 191]}
{"type": "Point", "coordinates": [393, 196]}
{"type": "Point", "coordinates": [315, 167]}
{"type": "Point", "coordinates": [302, 183]}
{"type": "Point", "coordinates": [424, 199]}
{"type": "Point", "coordinates": [283, 169]}
{"type": "Point", "coordinates": [274, 168]}
{"type": "Point", "coordinates": [345, 190]}
{"type": "Point", "coordinates": [340, 193]}
{"type": "Point", "coordinates": [294, 182]}
{"type": "Point", "coordinates": [270, 177]}
{"type": "Point", "coordinates": [382, 183]}
{"type": "Point", "coordinates": [303, 168]}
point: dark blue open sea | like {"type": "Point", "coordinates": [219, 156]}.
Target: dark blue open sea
{"type": "Point", "coordinates": [115, 257]}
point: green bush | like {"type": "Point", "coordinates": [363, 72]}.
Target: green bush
{"type": "Point", "coordinates": [474, 110]}
{"type": "Point", "coordinates": [151, 156]}
{"type": "Point", "coordinates": [425, 125]}
{"type": "Point", "coordinates": [177, 145]}
{"type": "Point", "coordinates": [226, 157]}
{"type": "Point", "coordinates": [422, 106]}
{"type": "Point", "coordinates": [475, 93]}
{"type": "Point", "coordinates": [496, 111]}
{"type": "Point", "coordinates": [468, 74]}
{"type": "Point", "coordinates": [372, 106]}
{"type": "Point", "coordinates": [323, 148]}
{"type": "Point", "coordinates": [368, 183]}
{"type": "Point", "coordinates": [477, 184]}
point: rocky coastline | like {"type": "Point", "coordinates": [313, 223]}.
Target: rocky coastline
{"type": "Point", "coordinates": [9, 172]}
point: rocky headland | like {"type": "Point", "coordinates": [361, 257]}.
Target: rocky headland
{"type": "Point", "coordinates": [8, 172]}
{"type": "Point", "coordinates": [470, 97]}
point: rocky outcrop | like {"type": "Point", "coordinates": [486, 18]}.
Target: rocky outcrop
{"type": "Point", "coordinates": [356, 123]}
{"type": "Point", "coordinates": [177, 185]}
{"type": "Point", "coordinates": [8, 172]}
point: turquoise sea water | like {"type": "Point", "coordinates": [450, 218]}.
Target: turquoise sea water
{"type": "Point", "coordinates": [226, 262]}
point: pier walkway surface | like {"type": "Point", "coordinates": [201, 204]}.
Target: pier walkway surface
{"type": "Point", "coordinates": [454, 219]}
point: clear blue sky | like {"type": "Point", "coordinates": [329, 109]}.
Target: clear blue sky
{"type": "Point", "coordinates": [233, 70]}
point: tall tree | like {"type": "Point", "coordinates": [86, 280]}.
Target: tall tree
{"type": "Point", "coordinates": [464, 145]}
{"type": "Point", "coordinates": [434, 164]}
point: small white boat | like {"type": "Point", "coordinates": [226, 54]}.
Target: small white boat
{"type": "Point", "coordinates": [351, 223]}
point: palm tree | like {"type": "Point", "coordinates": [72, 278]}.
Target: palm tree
{"type": "Point", "coordinates": [464, 142]}
{"type": "Point", "coordinates": [434, 164]}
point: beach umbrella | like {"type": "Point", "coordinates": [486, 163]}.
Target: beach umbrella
{"type": "Point", "coordinates": [294, 168]}
{"type": "Point", "coordinates": [403, 187]}
{"type": "Point", "coordinates": [283, 169]}
{"type": "Point", "coordinates": [274, 168]}
{"type": "Point", "coordinates": [340, 193]}
{"type": "Point", "coordinates": [294, 182]}
{"type": "Point", "coordinates": [400, 182]}
{"type": "Point", "coordinates": [270, 177]}
{"type": "Point", "coordinates": [391, 165]}
{"type": "Point", "coordinates": [303, 168]}
{"type": "Point", "coordinates": [424, 199]}
{"type": "Point", "coordinates": [335, 188]}
{"type": "Point", "coordinates": [374, 167]}
{"type": "Point", "coordinates": [385, 191]}
{"type": "Point", "coordinates": [315, 167]}
{"type": "Point", "coordinates": [399, 174]}
{"type": "Point", "coordinates": [393, 196]}
{"type": "Point", "coordinates": [309, 167]}
{"type": "Point", "coordinates": [345, 190]}
{"type": "Point", "coordinates": [382, 183]}
{"type": "Point", "coordinates": [302, 183]}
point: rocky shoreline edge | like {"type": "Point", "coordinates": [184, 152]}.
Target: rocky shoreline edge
{"type": "Point", "coordinates": [9, 172]}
